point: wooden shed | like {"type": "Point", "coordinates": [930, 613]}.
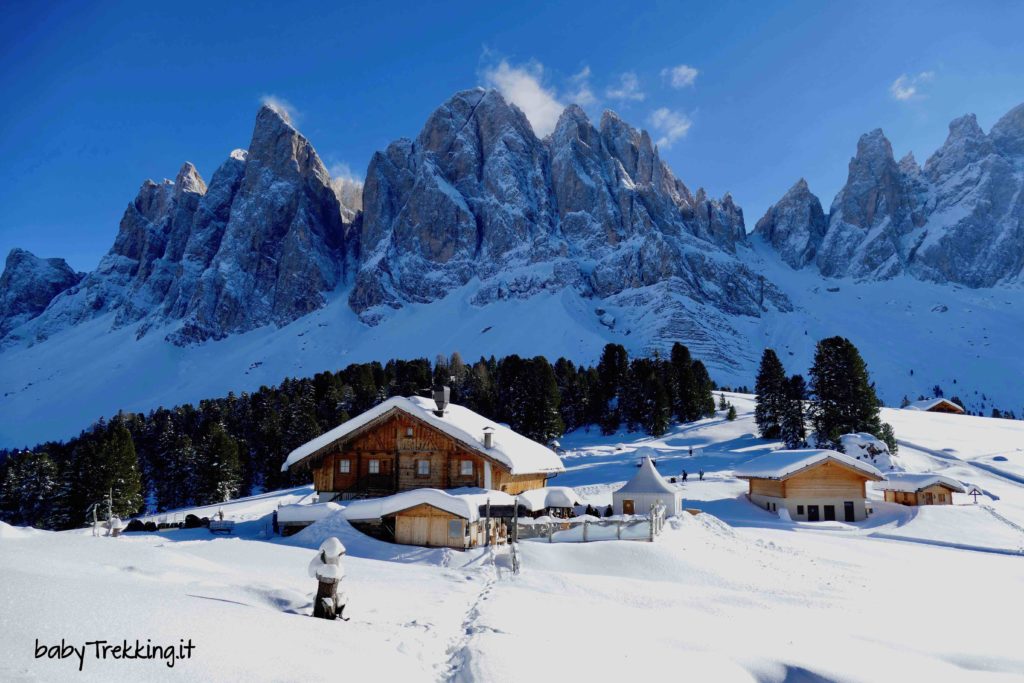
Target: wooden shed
{"type": "Point", "coordinates": [812, 485]}
{"type": "Point", "coordinates": [908, 488]}
{"type": "Point", "coordinates": [412, 443]}
{"type": "Point", "coordinates": [432, 518]}
{"type": "Point", "coordinates": [936, 405]}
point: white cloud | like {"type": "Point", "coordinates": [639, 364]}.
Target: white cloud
{"type": "Point", "coordinates": [909, 87]}
{"type": "Point", "coordinates": [680, 76]}
{"type": "Point", "coordinates": [522, 86]}
{"type": "Point", "coordinates": [348, 187]}
{"type": "Point", "coordinates": [581, 93]}
{"type": "Point", "coordinates": [670, 125]}
{"type": "Point", "coordinates": [628, 88]}
{"type": "Point", "coordinates": [282, 106]}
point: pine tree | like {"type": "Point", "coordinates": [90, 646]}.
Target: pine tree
{"type": "Point", "coordinates": [686, 404]}
{"type": "Point", "coordinates": [219, 475]}
{"type": "Point", "coordinates": [705, 388]}
{"type": "Point", "coordinates": [770, 388]}
{"type": "Point", "coordinates": [844, 397]}
{"type": "Point", "coordinates": [731, 414]}
{"type": "Point", "coordinates": [792, 428]}
{"type": "Point", "coordinates": [612, 371]}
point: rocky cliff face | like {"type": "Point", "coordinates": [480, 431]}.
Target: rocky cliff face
{"type": "Point", "coordinates": [959, 219]}
{"type": "Point", "coordinates": [28, 284]}
{"type": "Point", "coordinates": [261, 244]}
{"type": "Point", "coordinates": [477, 197]}
{"type": "Point", "coordinates": [795, 226]}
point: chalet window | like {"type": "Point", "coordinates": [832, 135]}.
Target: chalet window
{"type": "Point", "coordinates": [408, 431]}
{"type": "Point", "coordinates": [466, 468]}
{"type": "Point", "coordinates": [373, 466]}
{"type": "Point", "coordinates": [942, 497]}
{"type": "Point", "coordinates": [422, 468]}
{"type": "Point", "coordinates": [799, 509]}
{"type": "Point", "coordinates": [454, 528]}
{"type": "Point", "coordinates": [344, 466]}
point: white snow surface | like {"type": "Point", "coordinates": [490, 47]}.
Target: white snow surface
{"type": "Point", "coordinates": [520, 454]}
{"type": "Point", "coordinates": [733, 594]}
{"type": "Point", "coordinates": [782, 464]}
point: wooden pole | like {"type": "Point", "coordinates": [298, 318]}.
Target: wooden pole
{"type": "Point", "coordinates": [326, 603]}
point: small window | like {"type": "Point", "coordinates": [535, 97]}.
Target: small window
{"type": "Point", "coordinates": [423, 468]}
{"type": "Point", "coordinates": [454, 528]}
{"type": "Point", "coordinates": [466, 468]}
{"type": "Point", "coordinates": [373, 466]}
{"type": "Point", "coordinates": [408, 431]}
{"type": "Point", "coordinates": [344, 466]}
{"type": "Point", "coordinates": [799, 509]}
{"type": "Point", "coordinates": [942, 497]}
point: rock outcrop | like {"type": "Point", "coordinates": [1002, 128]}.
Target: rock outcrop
{"type": "Point", "coordinates": [795, 225]}
{"type": "Point", "coordinates": [262, 244]}
{"type": "Point", "coordinates": [477, 197]}
{"type": "Point", "coordinates": [960, 219]}
{"type": "Point", "coordinates": [28, 284]}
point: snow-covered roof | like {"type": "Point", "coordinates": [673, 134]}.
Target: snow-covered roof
{"type": "Point", "coordinates": [647, 480]}
{"type": "Point", "coordinates": [929, 403]}
{"type": "Point", "coordinates": [912, 483]}
{"type": "Point", "coordinates": [549, 497]}
{"type": "Point", "coordinates": [520, 454]}
{"type": "Point", "coordinates": [862, 443]}
{"type": "Point", "coordinates": [305, 513]}
{"type": "Point", "coordinates": [462, 502]}
{"type": "Point", "coordinates": [784, 464]}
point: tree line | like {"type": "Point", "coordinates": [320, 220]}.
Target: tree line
{"type": "Point", "coordinates": [234, 445]}
{"type": "Point", "coordinates": [840, 399]}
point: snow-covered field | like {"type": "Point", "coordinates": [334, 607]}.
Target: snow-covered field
{"type": "Point", "coordinates": [736, 594]}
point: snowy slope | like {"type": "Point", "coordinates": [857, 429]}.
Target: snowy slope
{"type": "Point", "coordinates": [967, 341]}
{"type": "Point", "coordinates": [737, 596]}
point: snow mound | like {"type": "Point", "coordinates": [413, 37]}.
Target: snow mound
{"type": "Point", "coordinates": [7, 531]}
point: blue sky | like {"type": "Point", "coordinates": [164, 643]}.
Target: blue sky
{"type": "Point", "coordinates": [744, 97]}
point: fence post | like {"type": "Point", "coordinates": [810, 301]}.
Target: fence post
{"type": "Point", "coordinates": [586, 523]}
{"type": "Point", "coordinates": [618, 530]}
{"type": "Point", "coordinates": [551, 532]}
{"type": "Point", "coordinates": [652, 523]}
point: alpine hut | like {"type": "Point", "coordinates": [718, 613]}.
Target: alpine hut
{"type": "Point", "coordinates": [811, 484]}
{"type": "Point", "coordinates": [645, 489]}
{"type": "Point", "coordinates": [412, 443]}
{"type": "Point", "coordinates": [936, 405]}
{"type": "Point", "coordinates": [919, 489]}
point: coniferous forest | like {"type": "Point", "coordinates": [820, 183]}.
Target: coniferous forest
{"type": "Point", "coordinates": [234, 445]}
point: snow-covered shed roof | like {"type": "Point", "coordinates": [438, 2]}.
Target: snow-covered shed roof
{"type": "Point", "coordinates": [929, 403]}
{"type": "Point", "coordinates": [862, 443]}
{"type": "Point", "coordinates": [549, 497]}
{"type": "Point", "coordinates": [463, 502]}
{"type": "Point", "coordinates": [520, 454]}
{"type": "Point", "coordinates": [784, 464]}
{"type": "Point", "coordinates": [647, 480]}
{"type": "Point", "coordinates": [912, 483]}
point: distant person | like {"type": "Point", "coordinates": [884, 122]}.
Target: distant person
{"type": "Point", "coordinates": [701, 474]}
{"type": "Point", "coordinates": [691, 451]}
{"type": "Point", "coordinates": [684, 475]}
{"type": "Point", "coordinates": [277, 527]}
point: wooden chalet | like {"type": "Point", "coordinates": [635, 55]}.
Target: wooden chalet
{"type": "Point", "coordinates": [936, 405]}
{"type": "Point", "coordinates": [812, 485]}
{"type": "Point", "coordinates": [919, 489]}
{"type": "Point", "coordinates": [414, 443]}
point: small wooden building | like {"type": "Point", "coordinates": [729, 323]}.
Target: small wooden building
{"type": "Point", "coordinates": [936, 405]}
{"type": "Point", "coordinates": [919, 489]}
{"type": "Point", "coordinates": [432, 518]}
{"type": "Point", "coordinates": [412, 443]}
{"type": "Point", "coordinates": [812, 485]}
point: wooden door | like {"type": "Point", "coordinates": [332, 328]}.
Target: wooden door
{"type": "Point", "coordinates": [929, 499]}
{"type": "Point", "coordinates": [412, 530]}
{"type": "Point", "coordinates": [812, 513]}
{"type": "Point", "coordinates": [830, 513]}
{"type": "Point", "coordinates": [848, 512]}
{"type": "Point", "coordinates": [627, 507]}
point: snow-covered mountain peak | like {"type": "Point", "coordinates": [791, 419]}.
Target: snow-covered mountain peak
{"type": "Point", "coordinates": [1007, 134]}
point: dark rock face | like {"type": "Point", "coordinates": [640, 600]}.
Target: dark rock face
{"type": "Point", "coordinates": [795, 226]}
{"type": "Point", "coordinates": [28, 284]}
{"type": "Point", "coordinates": [477, 196]}
{"type": "Point", "coordinates": [476, 200]}
{"type": "Point", "coordinates": [261, 245]}
{"type": "Point", "coordinates": [959, 219]}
